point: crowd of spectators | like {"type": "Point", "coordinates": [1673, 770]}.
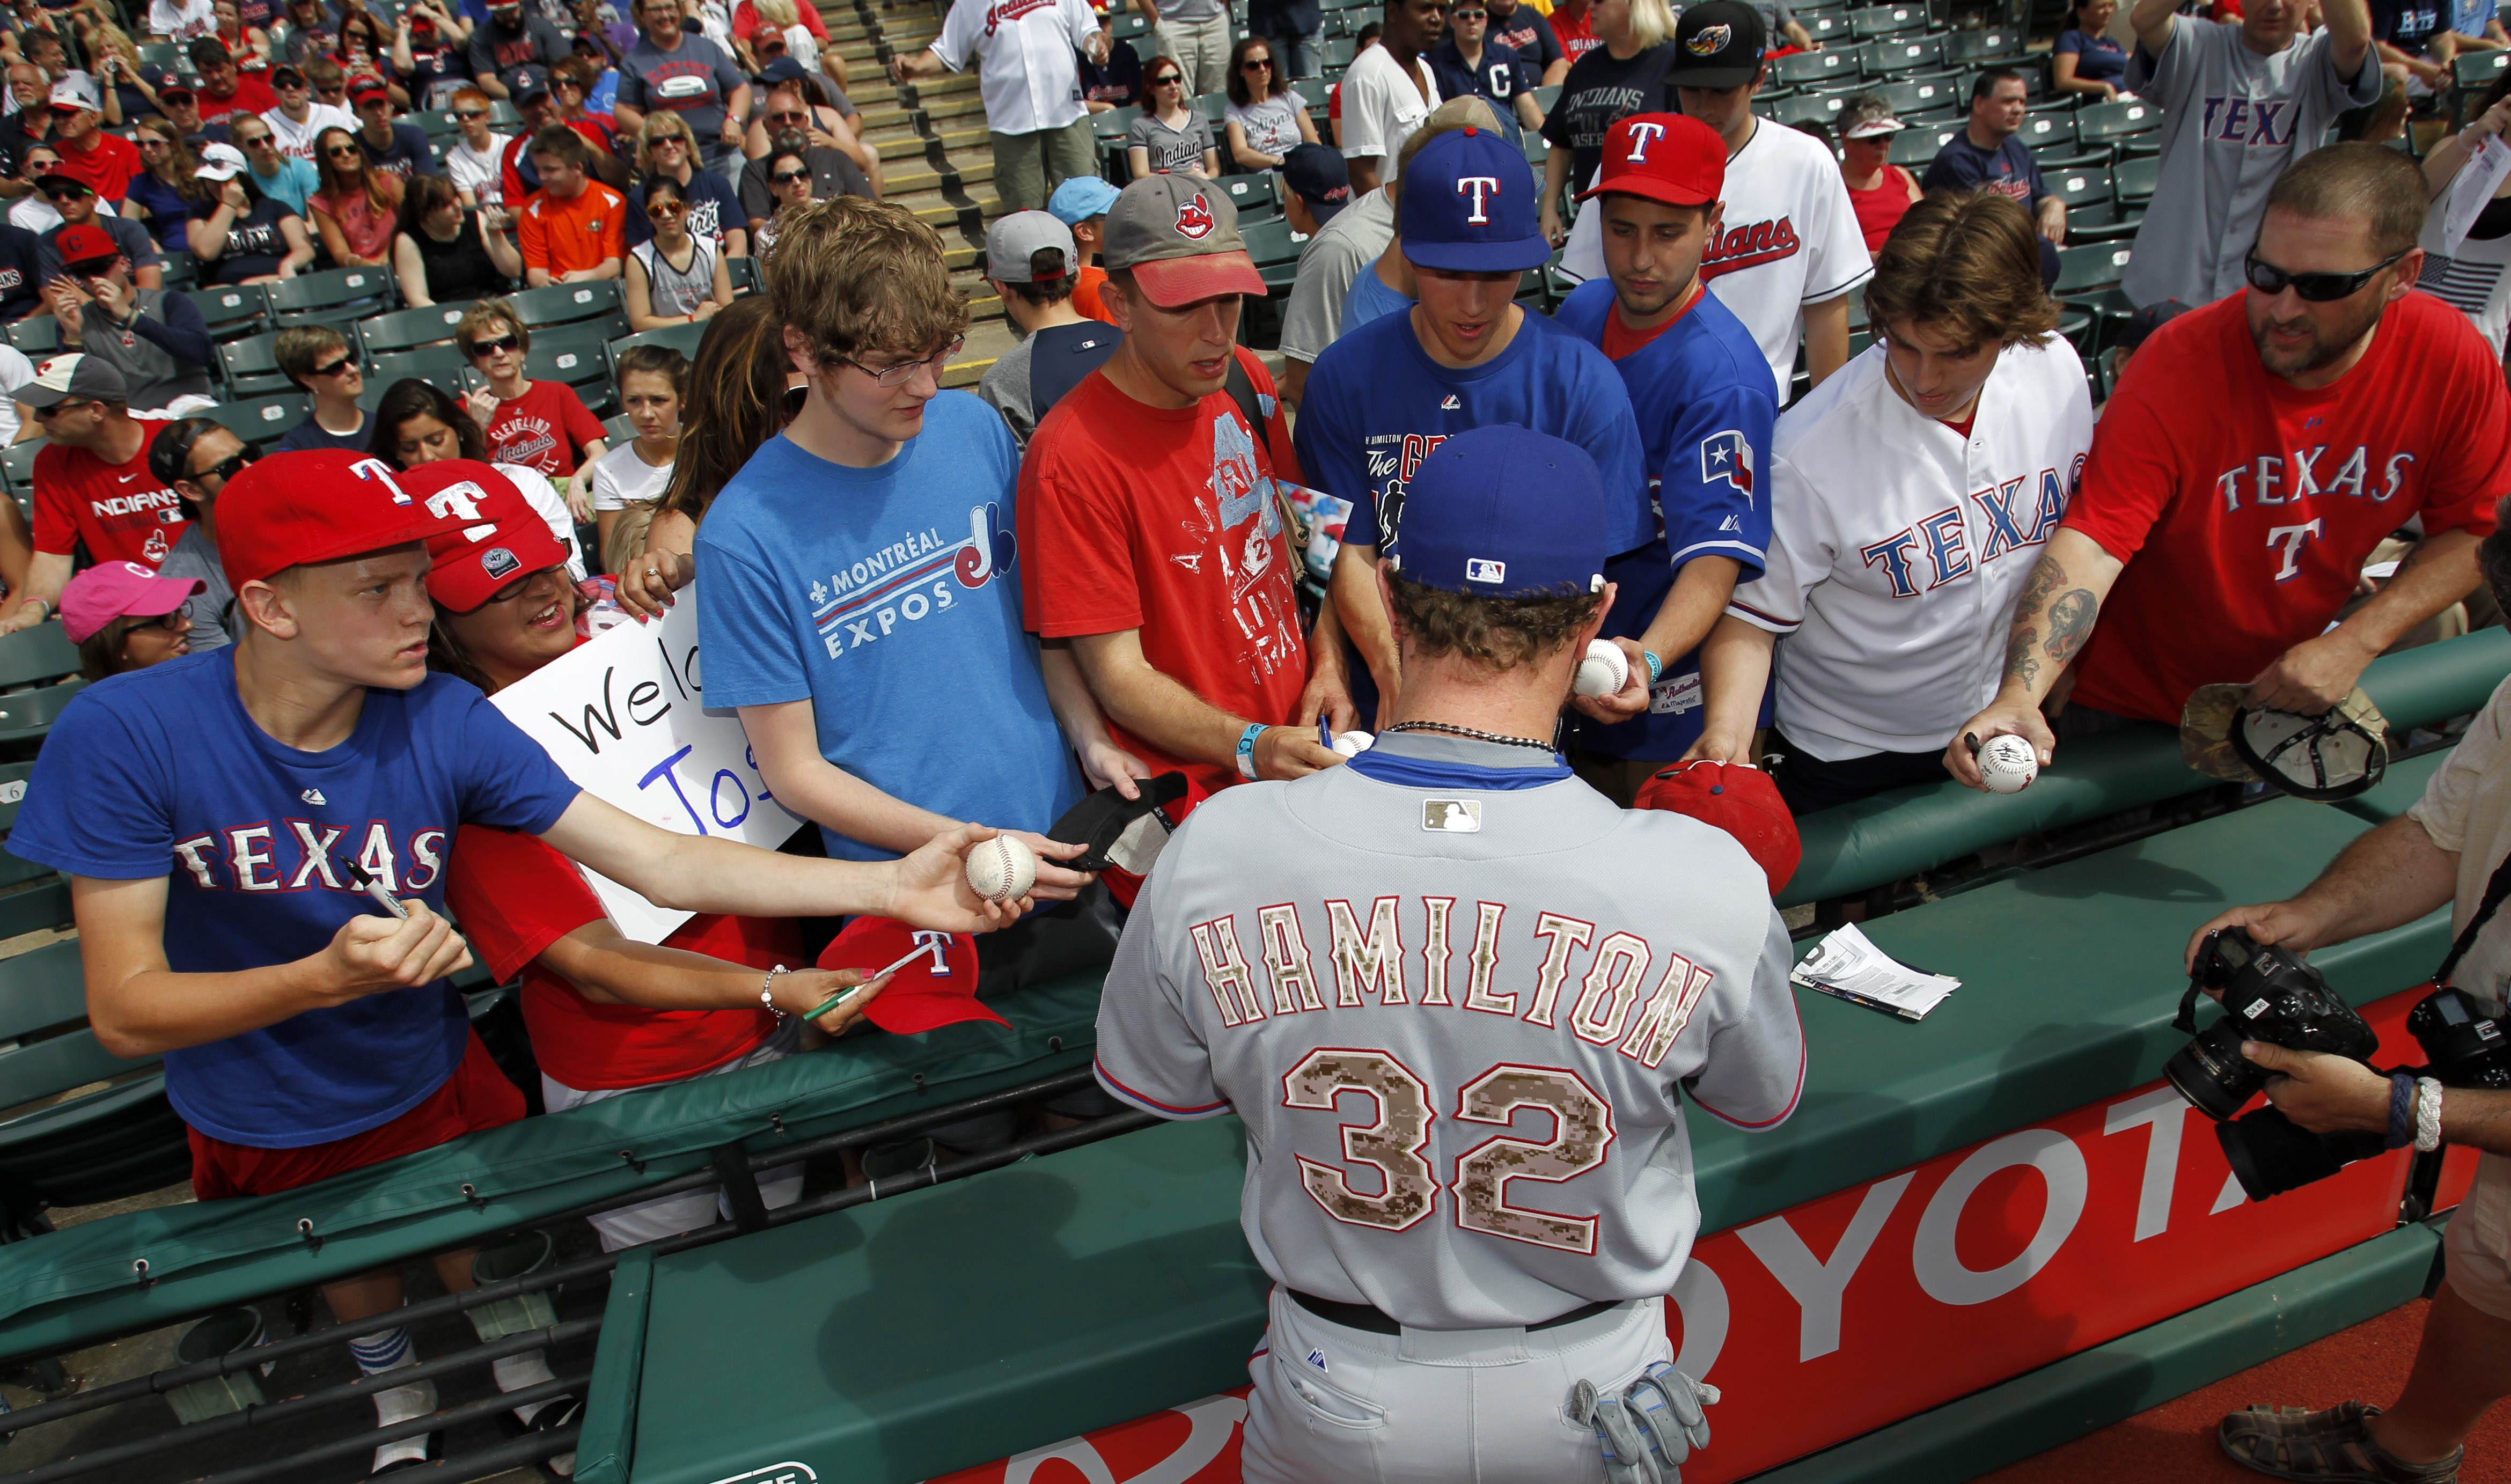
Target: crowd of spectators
{"type": "Point", "coordinates": [1140, 551]}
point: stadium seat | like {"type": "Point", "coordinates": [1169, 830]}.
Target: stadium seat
{"type": "Point", "coordinates": [179, 270]}
{"type": "Point", "coordinates": [2040, 130]}
{"type": "Point", "coordinates": [2101, 123]}
{"type": "Point", "coordinates": [744, 272]}
{"type": "Point", "coordinates": [1904, 53]}
{"type": "Point", "coordinates": [17, 464]}
{"type": "Point", "coordinates": [333, 295]}
{"type": "Point", "coordinates": [681, 338]}
{"type": "Point", "coordinates": [1277, 258]}
{"type": "Point", "coordinates": [260, 421]}
{"type": "Point", "coordinates": [2137, 178]}
{"type": "Point", "coordinates": [1257, 196]}
{"type": "Point", "coordinates": [1886, 20]}
{"type": "Point", "coordinates": [1917, 95]}
{"type": "Point", "coordinates": [2078, 187]}
{"type": "Point", "coordinates": [1815, 66]}
{"type": "Point", "coordinates": [617, 430]}
{"type": "Point", "coordinates": [566, 303]}
{"type": "Point", "coordinates": [1807, 109]}
{"type": "Point", "coordinates": [251, 366]}
{"type": "Point", "coordinates": [1128, 26]}
{"type": "Point", "coordinates": [445, 365]}
{"type": "Point", "coordinates": [232, 310]}
{"type": "Point", "coordinates": [1335, 54]}
{"type": "Point", "coordinates": [2476, 71]}
{"type": "Point", "coordinates": [36, 656]}
{"type": "Point", "coordinates": [577, 355]}
{"type": "Point", "coordinates": [409, 329]}
{"type": "Point", "coordinates": [1214, 106]}
{"type": "Point", "coordinates": [1984, 46]}
{"type": "Point", "coordinates": [118, 1138]}
{"type": "Point", "coordinates": [26, 715]}
{"type": "Point", "coordinates": [1825, 26]}
{"type": "Point", "coordinates": [1916, 147]}
{"type": "Point", "coordinates": [37, 338]}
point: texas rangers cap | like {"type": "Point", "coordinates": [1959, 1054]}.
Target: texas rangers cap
{"type": "Point", "coordinates": [1668, 157]}
{"type": "Point", "coordinates": [322, 505]}
{"type": "Point", "coordinates": [1504, 512]}
{"type": "Point", "coordinates": [939, 989]}
{"type": "Point", "coordinates": [1080, 198]}
{"type": "Point", "coordinates": [1180, 237]}
{"type": "Point", "coordinates": [508, 542]}
{"type": "Point", "coordinates": [1012, 243]}
{"type": "Point", "coordinates": [1718, 44]}
{"type": "Point", "coordinates": [1317, 172]}
{"type": "Point", "coordinates": [111, 590]}
{"type": "Point", "coordinates": [73, 377]}
{"type": "Point", "coordinates": [1469, 206]}
{"type": "Point", "coordinates": [1739, 799]}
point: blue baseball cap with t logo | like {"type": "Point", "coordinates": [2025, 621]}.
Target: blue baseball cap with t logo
{"type": "Point", "coordinates": [1504, 512]}
{"type": "Point", "coordinates": [1470, 205]}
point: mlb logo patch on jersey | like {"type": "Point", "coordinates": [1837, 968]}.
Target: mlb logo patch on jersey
{"type": "Point", "coordinates": [1454, 816]}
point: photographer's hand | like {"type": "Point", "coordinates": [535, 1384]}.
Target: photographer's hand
{"type": "Point", "coordinates": [2291, 924]}
{"type": "Point", "coordinates": [2324, 1094]}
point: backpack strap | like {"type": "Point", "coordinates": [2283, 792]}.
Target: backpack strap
{"type": "Point", "coordinates": [1242, 390]}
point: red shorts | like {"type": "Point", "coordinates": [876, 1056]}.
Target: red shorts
{"type": "Point", "coordinates": [477, 1096]}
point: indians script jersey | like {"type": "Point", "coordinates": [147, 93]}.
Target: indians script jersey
{"type": "Point", "coordinates": [1898, 546]}
{"type": "Point", "coordinates": [1790, 239]}
{"type": "Point", "coordinates": [1453, 996]}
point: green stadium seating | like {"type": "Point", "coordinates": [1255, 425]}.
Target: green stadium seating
{"type": "Point", "coordinates": [566, 303]}
{"type": "Point", "coordinates": [333, 295]}
{"type": "Point", "coordinates": [1873, 21]}
{"type": "Point", "coordinates": [409, 329]}
{"type": "Point", "coordinates": [251, 366]}
{"type": "Point", "coordinates": [261, 420]}
{"type": "Point", "coordinates": [232, 310]}
{"type": "Point", "coordinates": [107, 1143]}
{"type": "Point", "coordinates": [684, 339]}
{"type": "Point", "coordinates": [37, 338]}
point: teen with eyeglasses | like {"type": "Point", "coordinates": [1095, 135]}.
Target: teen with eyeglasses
{"type": "Point", "coordinates": [1171, 136]}
{"type": "Point", "coordinates": [321, 362]}
{"type": "Point", "coordinates": [2255, 451]}
{"type": "Point", "coordinates": [195, 458]}
{"type": "Point", "coordinates": [1267, 118]}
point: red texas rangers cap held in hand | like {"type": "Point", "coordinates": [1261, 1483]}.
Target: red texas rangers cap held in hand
{"type": "Point", "coordinates": [1741, 801]}
{"type": "Point", "coordinates": [1669, 157]}
{"type": "Point", "coordinates": [939, 989]}
{"type": "Point", "coordinates": [508, 542]}
{"type": "Point", "coordinates": [322, 505]}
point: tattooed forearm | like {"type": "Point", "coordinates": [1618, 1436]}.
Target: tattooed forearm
{"type": "Point", "coordinates": [2021, 664]}
{"type": "Point", "coordinates": [2071, 623]}
{"type": "Point", "coordinates": [2047, 576]}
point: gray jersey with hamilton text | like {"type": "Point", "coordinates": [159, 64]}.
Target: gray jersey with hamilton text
{"type": "Point", "coordinates": [1454, 1020]}
{"type": "Point", "coordinates": [2233, 121]}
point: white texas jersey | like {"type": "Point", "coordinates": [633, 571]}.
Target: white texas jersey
{"type": "Point", "coordinates": [1454, 998]}
{"type": "Point", "coordinates": [1790, 239]}
{"type": "Point", "coordinates": [1898, 547]}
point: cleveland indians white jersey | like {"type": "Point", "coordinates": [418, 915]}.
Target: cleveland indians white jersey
{"type": "Point", "coordinates": [1790, 239]}
{"type": "Point", "coordinates": [1455, 1006]}
{"type": "Point", "coordinates": [1898, 547]}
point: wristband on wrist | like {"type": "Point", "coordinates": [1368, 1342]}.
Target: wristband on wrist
{"type": "Point", "coordinates": [767, 988]}
{"type": "Point", "coordinates": [1656, 666]}
{"type": "Point", "coordinates": [1247, 750]}
{"type": "Point", "coordinates": [2427, 1115]}
{"type": "Point", "coordinates": [2402, 1110]}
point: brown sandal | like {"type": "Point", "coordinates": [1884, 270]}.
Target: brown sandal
{"type": "Point", "coordinates": [2324, 1446]}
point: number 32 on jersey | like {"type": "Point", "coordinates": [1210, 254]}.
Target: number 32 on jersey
{"type": "Point", "coordinates": [1393, 1143]}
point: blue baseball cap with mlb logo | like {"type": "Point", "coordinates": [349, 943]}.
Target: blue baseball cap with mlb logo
{"type": "Point", "coordinates": [1470, 205]}
{"type": "Point", "coordinates": [1504, 512]}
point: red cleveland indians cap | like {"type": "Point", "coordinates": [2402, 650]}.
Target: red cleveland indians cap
{"type": "Point", "coordinates": [509, 542]}
{"type": "Point", "coordinates": [1669, 157]}
{"type": "Point", "coordinates": [1741, 801]}
{"type": "Point", "coordinates": [322, 505]}
{"type": "Point", "coordinates": [937, 990]}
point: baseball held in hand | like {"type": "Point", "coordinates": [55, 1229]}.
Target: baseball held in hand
{"type": "Point", "coordinates": [1604, 671]}
{"type": "Point", "coordinates": [2007, 763]}
{"type": "Point", "coordinates": [1351, 744]}
{"type": "Point", "coordinates": [1001, 869]}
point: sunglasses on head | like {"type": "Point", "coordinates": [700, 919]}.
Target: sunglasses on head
{"type": "Point", "coordinates": [2317, 288]}
{"type": "Point", "coordinates": [481, 350]}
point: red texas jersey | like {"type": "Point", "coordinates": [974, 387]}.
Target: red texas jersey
{"type": "Point", "coordinates": [2244, 507]}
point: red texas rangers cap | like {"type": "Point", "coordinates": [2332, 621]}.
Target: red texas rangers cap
{"type": "Point", "coordinates": [1669, 157]}
{"type": "Point", "coordinates": [1741, 801]}
{"type": "Point", "coordinates": [509, 542]}
{"type": "Point", "coordinates": [939, 989]}
{"type": "Point", "coordinates": [322, 505]}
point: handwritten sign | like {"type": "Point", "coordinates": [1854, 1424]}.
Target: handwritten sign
{"type": "Point", "coordinates": [624, 716]}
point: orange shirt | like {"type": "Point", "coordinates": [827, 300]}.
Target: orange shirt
{"type": "Point", "coordinates": [567, 236]}
{"type": "Point", "coordinates": [1085, 295]}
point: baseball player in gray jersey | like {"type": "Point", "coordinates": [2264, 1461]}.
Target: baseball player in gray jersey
{"type": "Point", "coordinates": [1456, 995]}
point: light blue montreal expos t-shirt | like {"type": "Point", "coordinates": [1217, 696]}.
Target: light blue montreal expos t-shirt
{"type": "Point", "coordinates": [890, 599]}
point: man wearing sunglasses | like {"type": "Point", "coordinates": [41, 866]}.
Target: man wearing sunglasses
{"type": "Point", "coordinates": [195, 458]}
{"type": "Point", "coordinates": [155, 339]}
{"type": "Point", "coordinates": [1470, 62]}
{"type": "Point", "coordinates": [2252, 456]}
{"type": "Point", "coordinates": [76, 206]}
{"type": "Point", "coordinates": [298, 118]}
{"type": "Point", "coordinates": [283, 179]}
{"type": "Point", "coordinates": [832, 174]}
{"type": "Point", "coordinates": [92, 482]}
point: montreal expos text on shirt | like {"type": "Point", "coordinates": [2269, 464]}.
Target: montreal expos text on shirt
{"type": "Point", "coordinates": [1516, 1039]}
{"type": "Point", "coordinates": [161, 772]}
{"type": "Point", "coordinates": [1706, 410]}
{"type": "Point", "coordinates": [890, 598]}
{"type": "Point", "coordinates": [1380, 405]}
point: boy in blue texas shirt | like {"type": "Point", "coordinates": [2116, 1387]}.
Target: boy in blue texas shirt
{"type": "Point", "coordinates": [1465, 356]}
{"type": "Point", "coordinates": [207, 811]}
{"type": "Point", "coordinates": [859, 580]}
{"type": "Point", "coordinates": [1706, 410]}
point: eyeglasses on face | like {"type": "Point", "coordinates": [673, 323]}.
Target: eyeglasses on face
{"type": "Point", "coordinates": [226, 468]}
{"type": "Point", "coordinates": [901, 373]}
{"type": "Point", "coordinates": [341, 152]}
{"type": "Point", "coordinates": [47, 413]}
{"type": "Point", "coordinates": [518, 587]}
{"type": "Point", "coordinates": [332, 95]}
{"type": "Point", "coordinates": [335, 369]}
{"type": "Point", "coordinates": [1167, 79]}
{"type": "Point", "coordinates": [470, 115]}
{"type": "Point", "coordinates": [788, 176]}
{"type": "Point", "coordinates": [1469, 15]}
{"type": "Point", "coordinates": [668, 142]}
{"type": "Point", "coordinates": [64, 192]}
{"type": "Point", "coordinates": [173, 623]}
{"type": "Point", "coordinates": [663, 210]}
{"type": "Point", "coordinates": [791, 116]}
{"type": "Point", "coordinates": [2317, 288]}
{"type": "Point", "coordinates": [252, 140]}
{"type": "Point", "coordinates": [1257, 64]}
{"type": "Point", "coordinates": [481, 350]}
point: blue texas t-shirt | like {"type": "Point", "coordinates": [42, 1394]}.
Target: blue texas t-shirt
{"type": "Point", "coordinates": [889, 597]}
{"type": "Point", "coordinates": [161, 772]}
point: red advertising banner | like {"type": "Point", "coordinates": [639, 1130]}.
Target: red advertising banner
{"type": "Point", "coordinates": [2004, 1256]}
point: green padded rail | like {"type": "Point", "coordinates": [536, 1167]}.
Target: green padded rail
{"type": "Point", "coordinates": [72, 1286]}
{"type": "Point", "coordinates": [1857, 846]}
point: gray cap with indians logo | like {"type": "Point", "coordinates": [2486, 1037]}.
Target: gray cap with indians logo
{"type": "Point", "coordinates": [1178, 234]}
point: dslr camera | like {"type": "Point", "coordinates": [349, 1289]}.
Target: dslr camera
{"type": "Point", "coordinates": [2465, 1047]}
{"type": "Point", "coordinates": [2269, 995]}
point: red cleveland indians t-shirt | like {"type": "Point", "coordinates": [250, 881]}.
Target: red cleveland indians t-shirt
{"type": "Point", "coordinates": [1163, 519]}
{"type": "Point", "coordinates": [124, 512]}
{"type": "Point", "coordinates": [2245, 507]}
{"type": "Point", "coordinates": [515, 896]}
{"type": "Point", "coordinates": [546, 428]}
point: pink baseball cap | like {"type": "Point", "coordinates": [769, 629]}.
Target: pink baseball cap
{"type": "Point", "coordinates": [112, 589]}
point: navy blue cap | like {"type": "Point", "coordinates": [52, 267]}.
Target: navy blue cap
{"type": "Point", "coordinates": [1469, 206]}
{"type": "Point", "coordinates": [1504, 512]}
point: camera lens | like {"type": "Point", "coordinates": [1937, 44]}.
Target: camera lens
{"type": "Point", "coordinates": [2210, 1072]}
{"type": "Point", "coordinates": [2269, 1153]}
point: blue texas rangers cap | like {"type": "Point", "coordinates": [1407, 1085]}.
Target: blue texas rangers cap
{"type": "Point", "coordinates": [1504, 512]}
{"type": "Point", "coordinates": [1469, 206]}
